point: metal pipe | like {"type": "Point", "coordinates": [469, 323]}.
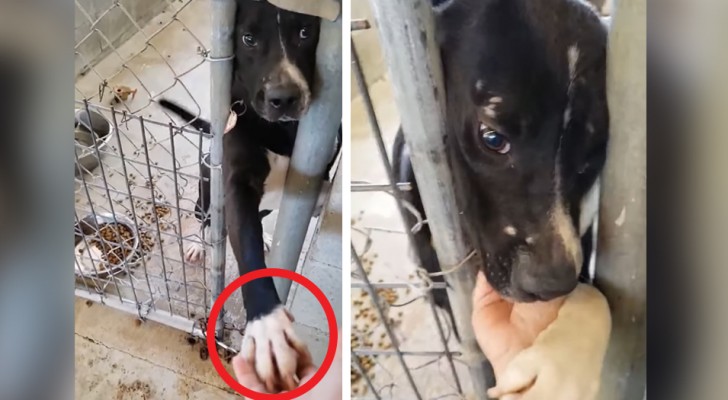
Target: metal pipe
{"type": "Point", "coordinates": [221, 73]}
{"type": "Point", "coordinates": [407, 37]}
{"type": "Point", "coordinates": [367, 187]}
{"type": "Point", "coordinates": [311, 154]}
{"type": "Point", "coordinates": [162, 317]}
{"type": "Point", "coordinates": [370, 352]}
{"type": "Point", "coordinates": [395, 285]}
{"type": "Point", "coordinates": [622, 257]}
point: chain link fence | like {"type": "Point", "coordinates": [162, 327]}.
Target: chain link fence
{"type": "Point", "coordinates": [137, 169]}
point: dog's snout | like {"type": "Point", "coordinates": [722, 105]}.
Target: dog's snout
{"type": "Point", "coordinates": [284, 97]}
{"type": "Point", "coordinates": [549, 286]}
{"type": "Point", "coordinates": [543, 281]}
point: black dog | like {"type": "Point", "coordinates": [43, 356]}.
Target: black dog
{"type": "Point", "coordinates": [527, 129]}
{"type": "Point", "coordinates": [273, 79]}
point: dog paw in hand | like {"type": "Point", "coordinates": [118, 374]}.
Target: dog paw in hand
{"type": "Point", "coordinates": [277, 353]}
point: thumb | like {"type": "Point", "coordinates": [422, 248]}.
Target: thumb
{"type": "Point", "coordinates": [304, 365]}
{"type": "Point", "coordinates": [490, 310]}
{"type": "Point", "coordinates": [518, 376]}
{"type": "Point", "coordinates": [245, 374]}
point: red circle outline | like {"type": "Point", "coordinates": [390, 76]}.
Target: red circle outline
{"type": "Point", "coordinates": [330, 317]}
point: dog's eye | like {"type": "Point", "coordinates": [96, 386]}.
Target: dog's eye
{"type": "Point", "coordinates": [494, 140]}
{"type": "Point", "coordinates": [249, 40]}
{"type": "Point", "coordinates": [303, 33]}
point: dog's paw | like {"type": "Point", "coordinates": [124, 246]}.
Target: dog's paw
{"type": "Point", "coordinates": [194, 253]}
{"type": "Point", "coordinates": [277, 353]}
{"type": "Point", "coordinates": [565, 361]}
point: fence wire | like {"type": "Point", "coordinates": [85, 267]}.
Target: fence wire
{"type": "Point", "coordinates": [137, 175]}
{"type": "Point", "coordinates": [377, 310]}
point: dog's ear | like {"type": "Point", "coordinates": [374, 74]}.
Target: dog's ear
{"type": "Point", "coordinates": [586, 117]}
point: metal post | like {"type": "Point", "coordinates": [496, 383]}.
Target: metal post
{"type": "Point", "coordinates": [313, 150]}
{"type": "Point", "coordinates": [406, 29]}
{"type": "Point", "coordinates": [221, 72]}
{"type": "Point", "coordinates": [621, 259]}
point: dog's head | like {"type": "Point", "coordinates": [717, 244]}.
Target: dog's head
{"type": "Point", "coordinates": [275, 59]}
{"type": "Point", "coordinates": [527, 130]}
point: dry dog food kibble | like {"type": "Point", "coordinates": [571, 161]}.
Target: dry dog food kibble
{"type": "Point", "coordinates": [115, 242]}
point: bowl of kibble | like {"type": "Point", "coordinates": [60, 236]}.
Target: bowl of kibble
{"type": "Point", "coordinates": [105, 245]}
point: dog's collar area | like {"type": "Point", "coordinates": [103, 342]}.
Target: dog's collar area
{"type": "Point", "coordinates": [231, 121]}
{"type": "Point", "coordinates": [237, 109]}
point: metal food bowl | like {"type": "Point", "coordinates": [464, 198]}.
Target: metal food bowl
{"type": "Point", "coordinates": [88, 125]}
{"type": "Point", "coordinates": [90, 227]}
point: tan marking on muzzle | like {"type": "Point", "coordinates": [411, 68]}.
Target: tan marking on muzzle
{"type": "Point", "coordinates": [564, 229]}
{"type": "Point", "coordinates": [296, 76]}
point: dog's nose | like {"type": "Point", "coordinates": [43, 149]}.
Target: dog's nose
{"type": "Point", "coordinates": [283, 97]}
{"type": "Point", "coordinates": [549, 286]}
{"type": "Point", "coordinates": [544, 282]}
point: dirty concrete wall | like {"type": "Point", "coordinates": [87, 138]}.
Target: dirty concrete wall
{"type": "Point", "coordinates": [367, 45]}
{"type": "Point", "coordinates": [112, 23]}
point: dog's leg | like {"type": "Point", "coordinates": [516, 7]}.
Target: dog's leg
{"type": "Point", "coordinates": [269, 337]}
{"type": "Point", "coordinates": [423, 238]}
{"type": "Point", "coordinates": [195, 251]}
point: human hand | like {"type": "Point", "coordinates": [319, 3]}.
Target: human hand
{"type": "Point", "coordinates": [329, 388]}
{"type": "Point", "coordinates": [547, 350]}
{"type": "Point", "coordinates": [502, 328]}
{"type": "Point", "coordinates": [245, 373]}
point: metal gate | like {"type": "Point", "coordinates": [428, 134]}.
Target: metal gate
{"type": "Point", "coordinates": [137, 170]}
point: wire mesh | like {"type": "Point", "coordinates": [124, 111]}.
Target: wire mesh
{"type": "Point", "coordinates": [137, 175]}
{"type": "Point", "coordinates": [381, 368]}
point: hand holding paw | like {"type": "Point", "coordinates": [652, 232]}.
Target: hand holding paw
{"type": "Point", "coordinates": [543, 350]}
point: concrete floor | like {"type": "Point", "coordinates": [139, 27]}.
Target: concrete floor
{"type": "Point", "coordinates": [118, 358]}
{"type": "Point", "coordinates": [164, 60]}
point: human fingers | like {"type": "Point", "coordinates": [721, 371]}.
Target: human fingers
{"type": "Point", "coordinates": [490, 310]}
{"type": "Point", "coordinates": [245, 374]}
{"type": "Point", "coordinates": [519, 375]}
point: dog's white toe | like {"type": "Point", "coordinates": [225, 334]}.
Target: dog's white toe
{"type": "Point", "coordinates": [277, 353]}
{"type": "Point", "coordinates": [194, 253]}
